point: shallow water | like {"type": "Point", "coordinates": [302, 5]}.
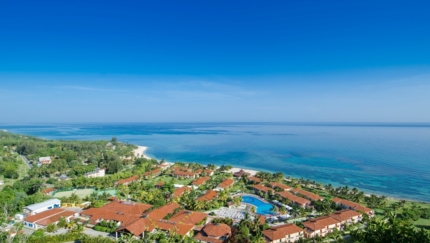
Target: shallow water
{"type": "Point", "coordinates": [389, 159]}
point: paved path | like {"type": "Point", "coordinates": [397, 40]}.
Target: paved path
{"type": "Point", "coordinates": [26, 161]}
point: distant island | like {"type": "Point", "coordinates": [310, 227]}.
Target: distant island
{"type": "Point", "coordinates": [110, 191]}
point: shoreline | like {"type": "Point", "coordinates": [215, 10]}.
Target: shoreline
{"type": "Point", "coordinates": [141, 150]}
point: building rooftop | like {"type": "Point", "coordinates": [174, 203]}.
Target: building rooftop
{"type": "Point", "coordinates": [279, 232]}
{"type": "Point", "coordinates": [262, 188]}
{"type": "Point", "coordinates": [226, 183]}
{"type": "Point", "coordinates": [44, 204]}
{"type": "Point", "coordinates": [188, 217]}
{"type": "Point", "coordinates": [344, 215]}
{"type": "Point", "coordinates": [320, 223]}
{"type": "Point", "coordinates": [200, 181]}
{"type": "Point", "coordinates": [163, 211]}
{"type": "Point", "coordinates": [179, 191]}
{"type": "Point", "coordinates": [307, 194]}
{"type": "Point", "coordinates": [49, 216]}
{"type": "Point", "coordinates": [208, 196]}
{"type": "Point", "coordinates": [294, 198]}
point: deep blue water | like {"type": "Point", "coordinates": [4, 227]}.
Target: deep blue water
{"type": "Point", "coordinates": [262, 207]}
{"type": "Point", "coordinates": [390, 159]}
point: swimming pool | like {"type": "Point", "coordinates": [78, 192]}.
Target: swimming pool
{"type": "Point", "coordinates": [262, 207]}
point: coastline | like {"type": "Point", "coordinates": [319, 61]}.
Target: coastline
{"type": "Point", "coordinates": [141, 151]}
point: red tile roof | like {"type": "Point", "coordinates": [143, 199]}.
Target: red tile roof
{"type": "Point", "coordinates": [281, 231]}
{"type": "Point", "coordinates": [48, 217]}
{"type": "Point", "coordinates": [184, 173]}
{"type": "Point", "coordinates": [254, 179]}
{"type": "Point", "coordinates": [344, 215]}
{"type": "Point", "coordinates": [307, 194]}
{"type": "Point", "coordinates": [353, 205]}
{"type": "Point", "coordinates": [294, 198]}
{"type": "Point", "coordinates": [262, 188]}
{"type": "Point", "coordinates": [320, 223]}
{"type": "Point", "coordinates": [208, 196]}
{"type": "Point", "coordinates": [200, 181]}
{"type": "Point", "coordinates": [163, 211]}
{"type": "Point", "coordinates": [48, 190]}
{"type": "Point", "coordinates": [179, 191]}
{"type": "Point", "coordinates": [280, 185]}
{"type": "Point", "coordinates": [216, 230]}
{"type": "Point", "coordinates": [152, 172]}
{"type": "Point", "coordinates": [127, 180]}
{"type": "Point", "coordinates": [146, 224]}
{"type": "Point", "coordinates": [226, 183]}
{"type": "Point", "coordinates": [188, 217]}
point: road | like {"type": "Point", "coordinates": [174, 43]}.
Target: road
{"type": "Point", "coordinates": [26, 161]}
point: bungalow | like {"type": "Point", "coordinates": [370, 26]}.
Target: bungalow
{"type": "Point", "coordinates": [189, 217]}
{"type": "Point", "coordinates": [208, 196]}
{"type": "Point", "coordinates": [214, 233]}
{"type": "Point", "coordinates": [180, 191]}
{"type": "Point", "coordinates": [260, 188]}
{"type": "Point", "coordinates": [200, 181]}
{"type": "Point", "coordinates": [320, 226]}
{"type": "Point", "coordinates": [253, 179]}
{"type": "Point", "coordinates": [347, 216]}
{"type": "Point", "coordinates": [162, 212]}
{"type": "Point", "coordinates": [226, 183]}
{"type": "Point", "coordinates": [45, 160]}
{"type": "Point", "coordinates": [123, 212]}
{"type": "Point", "coordinates": [43, 219]}
{"type": "Point", "coordinates": [205, 172]}
{"type": "Point", "coordinates": [280, 186]}
{"type": "Point", "coordinates": [283, 233]}
{"type": "Point", "coordinates": [48, 191]}
{"type": "Point", "coordinates": [127, 181]}
{"type": "Point", "coordinates": [141, 225]}
{"type": "Point", "coordinates": [306, 194]}
{"type": "Point", "coordinates": [184, 174]}
{"type": "Point", "coordinates": [354, 206]}
{"type": "Point", "coordinates": [98, 172]}
{"type": "Point", "coordinates": [241, 173]}
{"type": "Point", "coordinates": [163, 166]}
{"type": "Point", "coordinates": [42, 207]}
{"type": "Point", "coordinates": [152, 173]}
{"type": "Point", "coordinates": [299, 201]}
{"type": "Point", "coordinates": [159, 184]}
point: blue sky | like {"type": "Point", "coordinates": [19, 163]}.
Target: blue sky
{"type": "Point", "coordinates": [155, 61]}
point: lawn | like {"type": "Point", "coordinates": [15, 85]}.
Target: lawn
{"type": "Point", "coordinates": [22, 171]}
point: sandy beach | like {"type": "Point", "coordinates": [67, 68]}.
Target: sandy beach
{"type": "Point", "coordinates": [140, 151]}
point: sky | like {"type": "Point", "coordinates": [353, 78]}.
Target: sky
{"type": "Point", "coordinates": [214, 61]}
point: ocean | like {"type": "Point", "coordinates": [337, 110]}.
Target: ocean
{"type": "Point", "coordinates": [389, 159]}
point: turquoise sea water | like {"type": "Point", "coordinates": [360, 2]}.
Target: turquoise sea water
{"type": "Point", "coordinates": [389, 159]}
{"type": "Point", "coordinates": [262, 207]}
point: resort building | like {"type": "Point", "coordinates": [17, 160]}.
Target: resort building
{"type": "Point", "coordinates": [99, 172]}
{"type": "Point", "coordinates": [189, 217]}
{"type": "Point", "coordinates": [260, 188]}
{"type": "Point", "coordinates": [299, 201]}
{"type": "Point", "coordinates": [122, 212]}
{"type": "Point", "coordinates": [283, 233]}
{"type": "Point", "coordinates": [151, 174]}
{"type": "Point", "coordinates": [226, 183]}
{"type": "Point", "coordinates": [184, 174]}
{"type": "Point", "coordinates": [164, 166]}
{"type": "Point", "coordinates": [320, 226]}
{"type": "Point", "coordinates": [45, 160]}
{"type": "Point", "coordinates": [42, 207]}
{"type": "Point", "coordinates": [214, 233]}
{"type": "Point", "coordinates": [162, 212]}
{"type": "Point", "coordinates": [354, 206]}
{"type": "Point", "coordinates": [208, 196]}
{"type": "Point", "coordinates": [253, 179]}
{"type": "Point", "coordinates": [48, 191]}
{"type": "Point", "coordinates": [281, 186]}
{"type": "Point", "coordinates": [347, 216]}
{"type": "Point", "coordinates": [306, 194]}
{"type": "Point", "coordinates": [180, 191]}
{"type": "Point", "coordinates": [200, 181]}
{"type": "Point", "coordinates": [43, 219]}
{"type": "Point", "coordinates": [141, 225]}
{"type": "Point", "coordinates": [127, 181]}
{"type": "Point", "coordinates": [241, 173]}
{"type": "Point", "coordinates": [205, 172]}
